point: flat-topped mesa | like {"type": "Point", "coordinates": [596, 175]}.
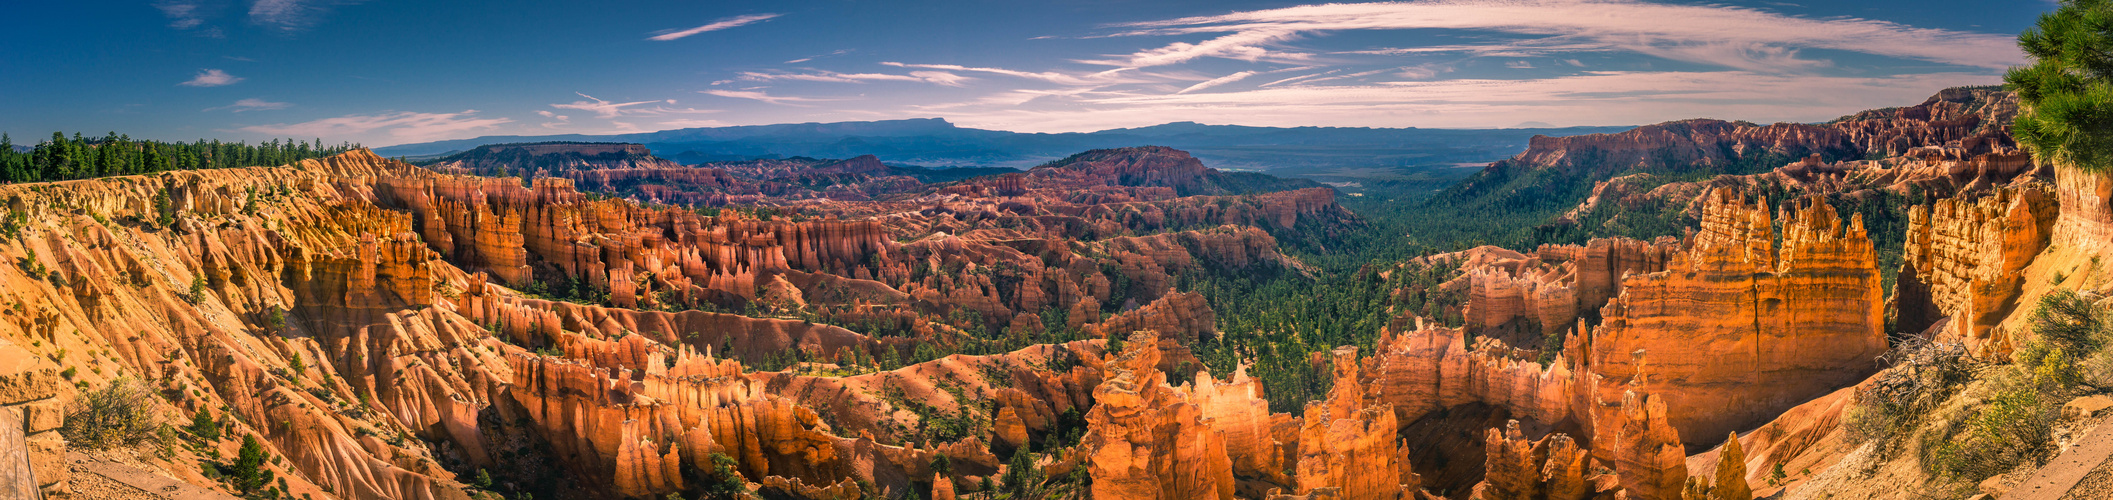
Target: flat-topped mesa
{"type": "Point", "coordinates": [1146, 440]}
{"type": "Point", "coordinates": [1147, 167]}
{"type": "Point", "coordinates": [1964, 259]}
{"type": "Point", "coordinates": [549, 158]}
{"type": "Point", "coordinates": [1738, 331]}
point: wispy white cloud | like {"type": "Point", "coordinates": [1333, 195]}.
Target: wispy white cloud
{"type": "Point", "coordinates": [1047, 76]}
{"type": "Point", "coordinates": [557, 120]}
{"type": "Point", "coordinates": [601, 108]}
{"type": "Point", "coordinates": [1592, 98]}
{"type": "Point", "coordinates": [290, 16]}
{"type": "Point", "coordinates": [182, 15]}
{"type": "Point", "coordinates": [1217, 81]}
{"type": "Point", "coordinates": [1424, 71]}
{"type": "Point", "coordinates": [691, 123]}
{"type": "Point", "coordinates": [380, 129]}
{"type": "Point", "coordinates": [1360, 74]}
{"type": "Point", "coordinates": [1519, 65]}
{"type": "Point", "coordinates": [933, 77]}
{"type": "Point", "coordinates": [211, 78]}
{"type": "Point", "coordinates": [1301, 77]}
{"type": "Point", "coordinates": [819, 56]}
{"type": "Point", "coordinates": [758, 95]}
{"type": "Point", "coordinates": [252, 104]}
{"type": "Point", "coordinates": [1734, 37]}
{"type": "Point", "coordinates": [728, 23]}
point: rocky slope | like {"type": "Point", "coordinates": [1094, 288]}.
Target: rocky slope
{"type": "Point", "coordinates": [365, 319]}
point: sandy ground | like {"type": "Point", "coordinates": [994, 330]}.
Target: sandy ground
{"type": "Point", "coordinates": [114, 476]}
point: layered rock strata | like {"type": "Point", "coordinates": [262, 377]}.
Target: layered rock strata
{"type": "Point", "coordinates": [1350, 449]}
{"type": "Point", "coordinates": [1964, 260]}
{"type": "Point", "coordinates": [1147, 440]}
{"type": "Point", "coordinates": [1737, 323]}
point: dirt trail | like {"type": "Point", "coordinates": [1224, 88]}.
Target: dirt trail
{"type": "Point", "coordinates": [2060, 478]}
{"type": "Point", "coordinates": [97, 478]}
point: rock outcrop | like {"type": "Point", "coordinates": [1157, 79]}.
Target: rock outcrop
{"type": "Point", "coordinates": [1977, 120]}
{"type": "Point", "coordinates": [1736, 323]}
{"type": "Point", "coordinates": [1645, 449]}
{"type": "Point", "coordinates": [1349, 448]}
{"type": "Point", "coordinates": [1553, 468]}
{"type": "Point", "coordinates": [1729, 480]}
{"type": "Point", "coordinates": [1552, 287]}
{"type": "Point", "coordinates": [1964, 260]}
{"type": "Point", "coordinates": [1146, 440]}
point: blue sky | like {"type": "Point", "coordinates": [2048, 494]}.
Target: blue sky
{"type": "Point", "coordinates": [383, 72]}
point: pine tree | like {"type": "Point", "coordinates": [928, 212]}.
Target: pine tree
{"type": "Point", "coordinates": [109, 158]}
{"type": "Point", "coordinates": [942, 466]}
{"type": "Point", "coordinates": [203, 426]}
{"type": "Point", "coordinates": [164, 209]}
{"type": "Point", "coordinates": [10, 161]}
{"type": "Point", "coordinates": [58, 161]}
{"type": "Point", "coordinates": [1020, 473]}
{"type": "Point", "coordinates": [152, 160]}
{"type": "Point", "coordinates": [724, 482]}
{"type": "Point", "coordinates": [197, 292]}
{"type": "Point", "coordinates": [2068, 90]}
{"type": "Point", "coordinates": [248, 474]}
{"type": "Point", "coordinates": [888, 359]}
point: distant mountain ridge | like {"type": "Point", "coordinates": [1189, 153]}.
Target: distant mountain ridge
{"type": "Point", "coordinates": [937, 142]}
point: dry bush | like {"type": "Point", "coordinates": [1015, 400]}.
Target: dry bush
{"type": "Point", "coordinates": [121, 414]}
{"type": "Point", "coordinates": [1923, 375]}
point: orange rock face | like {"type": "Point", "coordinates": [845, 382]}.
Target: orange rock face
{"type": "Point", "coordinates": [1734, 323]}
{"type": "Point", "coordinates": [298, 312]}
{"type": "Point", "coordinates": [1553, 468]}
{"type": "Point", "coordinates": [1963, 260]}
{"type": "Point", "coordinates": [1549, 288]}
{"type": "Point", "coordinates": [1977, 120]}
{"type": "Point", "coordinates": [1350, 449]}
{"type": "Point", "coordinates": [1645, 450]}
{"type": "Point", "coordinates": [1728, 482]}
{"type": "Point", "coordinates": [2087, 206]}
{"type": "Point", "coordinates": [1146, 440]}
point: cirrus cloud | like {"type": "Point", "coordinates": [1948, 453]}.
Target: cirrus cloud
{"type": "Point", "coordinates": [384, 128]}
{"type": "Point", "coordinates": [728, 23]}
{"type": "Point", "coordinates": [758, 95]}
{"type": "Point", "coordinates": [1734, 37]}
{"type": "Point", "coordinates": [252, 104]}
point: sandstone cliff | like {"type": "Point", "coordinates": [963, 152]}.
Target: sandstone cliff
{"type": "Point", "coordinates": [1146, 440]}
{"type": "Point", "coordinates": [1735, 322]}
{"type": "Point", "coordinates": [1964, 259]}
